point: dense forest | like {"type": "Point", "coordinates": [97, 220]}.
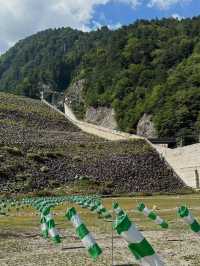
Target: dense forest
{"type": "Point", "coordinates": [148, 67]}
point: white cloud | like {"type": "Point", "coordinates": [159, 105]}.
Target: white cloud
{"type": "Point", "coordinates": [96, 25]}
{"type": "Point", "coordinates": [166, 4]}
{"type": "Point", "coordinates": [177, 16]}
{"type": "Point", "coordinates": [114, 26]}
{"type": "Point", "coordinates": [132, 3]}
{"type": "Point", "coordinates": [20, 18]}
{"type": "Point", "coordinates": [104, 22]}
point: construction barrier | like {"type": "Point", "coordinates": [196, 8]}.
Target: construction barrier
{"type": "Point", "coordinates": [83, 233]}
{"type": "Point", "coordinates": [184, 213]}
{"type": "Point", "coordinates": [152, 215]}
{"type": "Point", "coordinates": [137, 244]}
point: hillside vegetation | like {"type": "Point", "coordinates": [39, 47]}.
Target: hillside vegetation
{"type": "Point", "coordinates": [40, 150]}
{"type": "Point", "coordinates": [148, 67]}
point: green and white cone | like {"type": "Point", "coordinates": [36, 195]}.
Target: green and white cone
{"type": "Point", "coordinates": [52, 231]}
{"type": "Point", "coordinates": [93, 206]}
{"type": "Point", "coordinates": [44, 226]}
{"type": "Point", "coordinates": [184, 213]}
{"type": "Point", "coordinates": [88, 203]}
{"type": "Point", "coordinates": [152, 215]}
{"type": "Point", "coordinates": [137, 244]}
{"type": "Point", "coordinates": [103, 212]}
{"type": "Point", "coordinates": [83, 233]}
{"type": "Point", "coordinates": [118, 210]}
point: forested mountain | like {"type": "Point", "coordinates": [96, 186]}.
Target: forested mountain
{"type": "Point", "coordinates": [148, 67]}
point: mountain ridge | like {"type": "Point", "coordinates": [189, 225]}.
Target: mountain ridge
{"type": "Point", "coordinates": [149, 67]}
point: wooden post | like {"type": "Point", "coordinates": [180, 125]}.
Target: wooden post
{"type": "Point", "coordinates": [197, 178]}
{"type": "Point", "coordinates": [112, 247]}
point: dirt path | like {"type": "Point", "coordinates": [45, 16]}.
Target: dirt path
{"type": "Point", "coordinates": [99, 131]}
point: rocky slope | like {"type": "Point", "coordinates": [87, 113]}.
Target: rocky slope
{"type": "Point", "coordinates": [40, 150]}
{"type": "Point", "coordinates": [102, 116]}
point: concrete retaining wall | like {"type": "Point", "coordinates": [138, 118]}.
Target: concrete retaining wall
{"type": "Point", "coordinates": [184, 160]}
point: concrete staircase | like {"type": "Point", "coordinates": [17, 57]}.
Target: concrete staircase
{"type": "Point", "coordinates": [185, 161]}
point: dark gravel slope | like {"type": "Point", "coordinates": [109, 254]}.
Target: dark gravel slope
{"type": "Point", "coordinates": [39, 150]}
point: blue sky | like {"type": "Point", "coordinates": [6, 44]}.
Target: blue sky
{"type": "Point", "coordinates": [115, 13]}
{"type": "Point", "coordinates": [22, 18]}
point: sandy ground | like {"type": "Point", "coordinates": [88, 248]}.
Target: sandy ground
{"type": "Point", "coordinates": [29, 249]}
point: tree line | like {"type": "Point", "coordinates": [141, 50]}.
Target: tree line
{"type": "Point", "coordinates": [147, 67]}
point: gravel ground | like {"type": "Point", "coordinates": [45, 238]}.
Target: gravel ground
{"type": "Point", "coordinates": [27, 248]}
{"type": "Point", "coordinates": [21, 244]}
